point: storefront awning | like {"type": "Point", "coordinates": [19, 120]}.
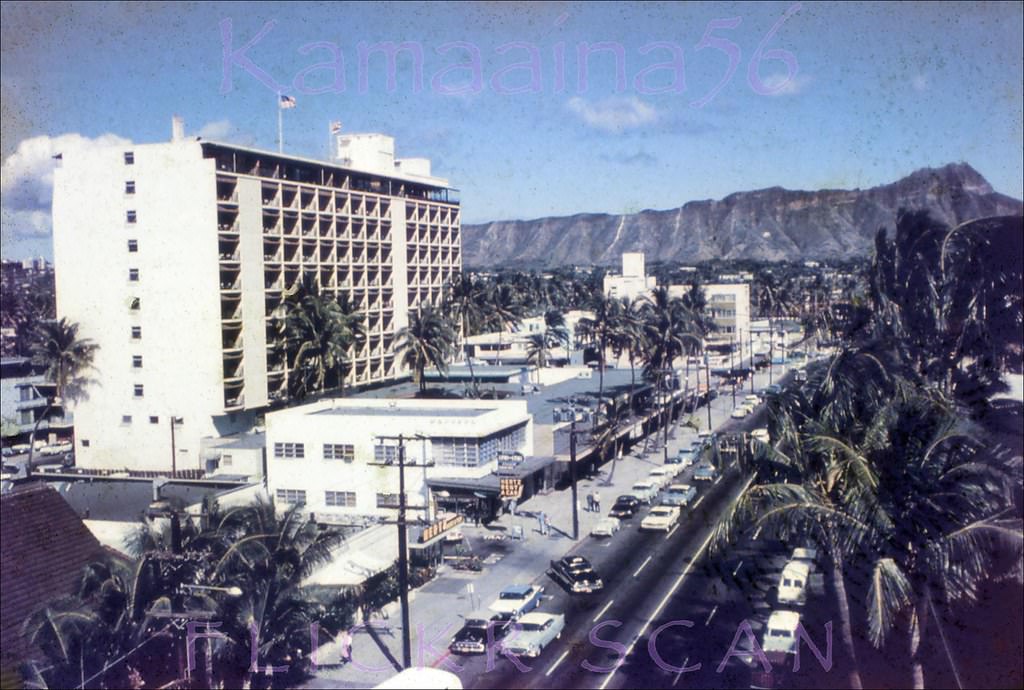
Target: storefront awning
{"type": "Point", "coordinates": [359, 558]}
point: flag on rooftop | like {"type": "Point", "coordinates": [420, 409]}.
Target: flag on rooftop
{"type": "Point", "coordinates": [336, 127]}
{"type": "Point", "coordinates": [287, 101]}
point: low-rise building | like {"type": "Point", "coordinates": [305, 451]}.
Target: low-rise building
{"type": "Point", "coordinates": [339, 457]}
{"type": "Point", "coordinates": [633, 281]}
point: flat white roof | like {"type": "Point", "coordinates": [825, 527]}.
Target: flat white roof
{"type": "Point", "coordinates": [783, 620]}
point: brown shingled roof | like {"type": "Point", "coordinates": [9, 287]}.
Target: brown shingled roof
{"type": "Point", "coordinates": [43, 548]}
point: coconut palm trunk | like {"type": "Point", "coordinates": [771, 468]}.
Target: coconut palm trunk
{"type": "Point", "coordinates": [845, 627]}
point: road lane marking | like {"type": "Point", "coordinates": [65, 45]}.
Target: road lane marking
{"type": "Point", "coordinates": [757, 533]}
{"type": "Point", "coordinates": [680, 673]}
{"type": "Point", "coordinates": [711, 615]}
{"type": "Point", "coordinates": [671, 531]}
{"type": "Point", "coordinates": [675, 586]}
{"type": "Point", "coordinates": [603, 611]}
{"type": "Point", "coordinates": [643, 565]}
{"type": "Point", "coordinates": [719, 479]}
{"type": "Point", "coordinates": [737, 569]}
{"type": "Point", "coordinates": [557, 662]}
{"type": "Point", "coordinates": [698, 502]}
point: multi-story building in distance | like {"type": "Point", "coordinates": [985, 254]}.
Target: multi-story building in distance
{"type": "Point", "coordinates": [177, 259]}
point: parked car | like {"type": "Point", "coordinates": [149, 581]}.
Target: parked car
{"type": "Point", "coordinates": [685, 457]}
{"type": "Point", "coordinates": [517, 600]}
{"type": "Point", "coordinates": [752, 399]}
{"type": "Point", "coordinates": [740, 412]}
{"type": "Point", "coordinates": [800, 376]}
{"type": "Point", "coordinates": [806, 555]}
{"type": "Point", "coordinates": [606, 527]}
{"type": "Point", "coordinates": [661, 518]}
{"type": "Point", "coordinates": [679, 495]}
{"type": "Point", "coordinates": [761, 435]}
{"type": "Point", "coordinates": [7, 451]}
{"type": "Point", "coordinates": [705, 472]}
{"type": "Point", "coordinates": [625, 507]}
{"type": "Point", "coordinates": [474, 637]}
{"type": "Point", "coordinates": [662, 476]}
{"type": "Point", "coordinates": [534, 632]}
{"type": "Point", "coordinates": [576, 574]}
{"type": "Point", "coordinates": [772, 390]}
{"type": "Point", "coordinates": [645, 491]}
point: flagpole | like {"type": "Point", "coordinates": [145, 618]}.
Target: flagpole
{"type": "Point", "coordinates": [280, 125]}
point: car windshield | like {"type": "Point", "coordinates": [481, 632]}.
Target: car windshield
{"type": "Point", "coordinates": [532, 627]}
{"type": "Point", "coordinates": [661, 511]}
{"type": "Point", "coordinates": [513, 595]}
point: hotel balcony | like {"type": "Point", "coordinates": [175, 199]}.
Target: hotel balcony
{"type": "Point", "coordinates": [231, 337]}
{"type": "Point", "coordinates": [289, 197]}
{"type": "Point", "coordinates": [230, 307]}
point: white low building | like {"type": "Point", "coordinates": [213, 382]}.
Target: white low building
{"type": "Point", "coordinates": [633, 282]}
{"type": "Point", "coordinates": [339, 457]}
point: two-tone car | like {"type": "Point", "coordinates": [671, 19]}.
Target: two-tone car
{"type": "Point", "coordinates": [662, 476]}
{"type": "Point", "coordinates": [625, 507]}
{"type": "Point", "coordinates": [576, 574]}
{"type": "Point", "coordinates": [533, 632]}
{"type": "Point", "coordinates": [705, 472]}
{"type": "Point", "coordinates": [679, 495]}
{"type": "Point", "coordinates": [479, 630]}
{"type": "Point", "coordinates": [516, 600]}
{"type": "Point", "coordinates": [645, 490]}
{"type": "Point", "coordinates": [661, 517]}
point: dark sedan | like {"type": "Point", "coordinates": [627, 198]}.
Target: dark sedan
{"type": "Point", "coordinates": [479, 630]}
{"type": "Point", "coordinates": [625, 507]}
{"type": "Point", "coordinates": [576, 574]}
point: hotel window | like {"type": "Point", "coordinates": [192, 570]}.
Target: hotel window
{"type": "Point", "coordinates": [131, 216]}
{"type": "Point", "coordinates": [294, 496]}
{"type": "Point", "coordinates": [289, 450]}
{"type": "Point", "coordinates": [459, 452]}
{"type": "Point", "coordinates": [129, 158]}
{"type": "Point", "coordinates": [134, 303]}
{"type": "Point", "coordinates": [137, 361]}
{"type": "Point", "coordinates": [385, 454]}
{"type": "Point", "coordinates": [126, 419]}
{"type": "Point", "coordinates": [133, 245]}
{"type": "Point", "coordinates": [340, 499]}
{"type": "Point", "coordinates": [133, 275]}
{"type": "Point", "coordinates": [138, 389]}
{"type": "Point", "coordinates": [136, 332]}
{"type": "Point", "coordinates": [85, 443]}
{"type": "Point", "coordinates": [339, 451]}
{"type": "Point", "coordinates": [129, 187]}
{"type": "Point", "coordinates": [154, 420]}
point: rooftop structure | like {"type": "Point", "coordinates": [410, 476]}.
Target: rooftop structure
{"type": "Point", "coordinates": [633, 282]}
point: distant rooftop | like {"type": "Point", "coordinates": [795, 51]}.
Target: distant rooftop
{"type": "Point", "coordinates": [399, 411]}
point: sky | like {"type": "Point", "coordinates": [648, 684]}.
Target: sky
{"type": "Point", "coordinates": [530, 109]}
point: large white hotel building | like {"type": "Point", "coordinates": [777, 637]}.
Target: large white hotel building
{"type": "Point", "coordinates": [176, 258]}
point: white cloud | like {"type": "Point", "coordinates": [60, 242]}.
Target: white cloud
{"type": "Point", "coordinates": [780, 85]}
{"type": "Point", "coordinates": [919, 82]}
{"type": "Point", "coordinates": [218, 130]}
{"type": "Point", "coordinates": [26, 180]}
{"type": "Point", "coordinates": [614, 114]}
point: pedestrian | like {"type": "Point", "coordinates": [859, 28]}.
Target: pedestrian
{"type": "Point", "coordinates": [590, 503]}
{"type": "Point", "coordinates": [540, 522]}
{"type": "Point", "coordinates": [544, 523]}
{"type": "Point", "coordinates": [597, 501]}
{"type": "Point", "coordinates": [345, 642]}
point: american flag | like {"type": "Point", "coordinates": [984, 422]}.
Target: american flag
{"type": "Point", "coordinates": [336, 127]}
{"type": "Point", "coordinates": [287, 102]}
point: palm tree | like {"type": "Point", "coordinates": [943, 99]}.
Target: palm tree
{"type": "Point", "coordinates": [429, 339]}
{"type": "Point", "coordinates": [630, 338]}
{"type": "Point", "coordinates": [505, 310]}
{"type": "Point", "coordinates": [66, 358]}
{"type": "Point", "coordinates": [318, 333]}
{"type": "Point", "coordinates": [600, 330]}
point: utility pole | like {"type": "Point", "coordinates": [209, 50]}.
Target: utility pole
{"type": "Point", "coordinates": [403, 558]}
{"type": "Point", "coordinates": [732, 369]}
{"type": "Point", "coordinates": [750, 349]}
{"type": "Point", "coordinates": [771, 350]}
{"type": "Point", "coordinates": [174, 453]}
{"type": "Point", "coordinates": [707, 379]}
{"type": "Point", "coordinates": [572, 479]}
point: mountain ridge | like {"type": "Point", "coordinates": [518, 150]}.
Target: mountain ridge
{"type": "Point", "coordinates": [772, 223]}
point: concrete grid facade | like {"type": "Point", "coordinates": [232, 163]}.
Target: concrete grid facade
{"type": "Point", "coordinates": [176, 258]}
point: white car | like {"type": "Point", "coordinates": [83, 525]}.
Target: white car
{"type": "Point", "coordinates": [534, 632]}
{"type": "Point", "coordinates": [645, 491]}
{"type": "Point", "coordinates": [740, 412]}
{"type": "Point", "coordinates": [752, 399]}
{"type": "Point", "coordinates": [516, 600]}
{"type": "Point", "coordinates": [661, 518]}
{"type": "Point", "coordinates": [793, 583]}
{"type": "Point", "coordinates": [780, 633]}
{"type": "Point", "coordinates": [606, 527]}
{"type": "Point", "coordinates": [760, 435]}
{"type": "Point", "coordinates": [662, 476]}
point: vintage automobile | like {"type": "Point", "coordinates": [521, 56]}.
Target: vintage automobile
{"type": "Point", "coordinates": [473, 638]}
{"type": "Point", "coordinates": [705, 472]}
{"type": "Point", "coordinates": [625, 507]}
{"type": "Point", "coordinates": [761, 435]}
{"type": "Point", "coordinates": [606, 527]}
{"type": "Point", "coordinates": [645, 491]}
{"type": "Point", "coordinates": [533, 632]}
{"type": "Point", "coordinates": [576, 574]}
{"type": "Point", "coordinates": [661, 518]}
{"type": "Point", "coordinates": [517, 600]}
{"type": "Point", "coordinates": [684, 458]}
{"type": "Point", "coordinates": [679, 495]}
{"type": "Point", "coordinates": [662, 476]}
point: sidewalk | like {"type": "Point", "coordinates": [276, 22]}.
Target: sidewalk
{"type": "Point", "coordinates": [437, 609]}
